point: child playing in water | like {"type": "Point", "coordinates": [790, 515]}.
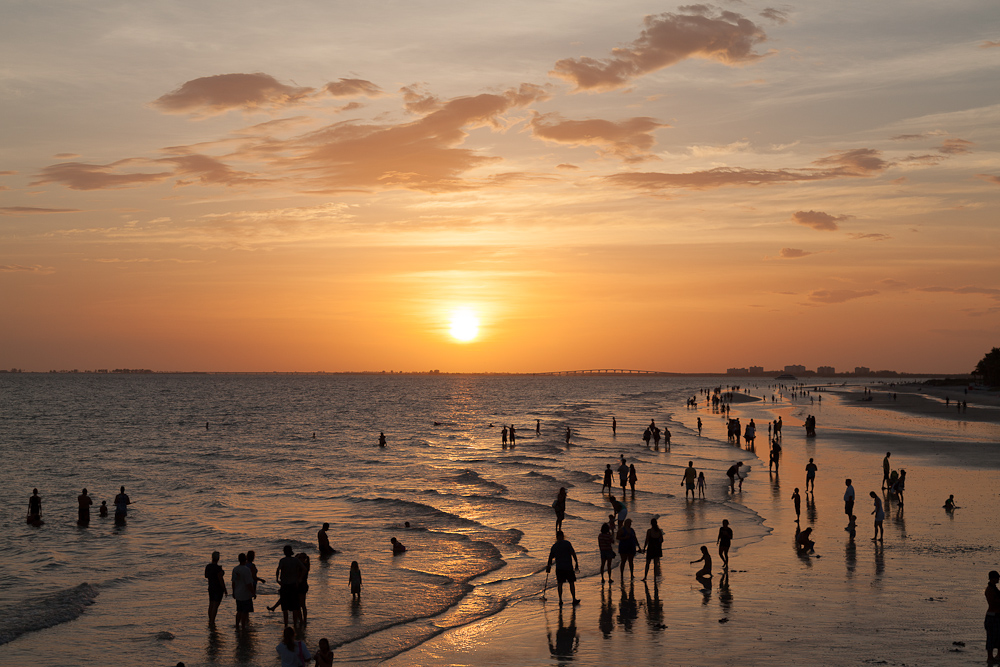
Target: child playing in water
{"type": "Point", "coordinates": [701, 483]}
{"type": "Point", "coordinates": [104, 508]}
{"type": "Point", "coordinates": [706, 570]}
{"type": "Point", "coordinates": [355, 580]}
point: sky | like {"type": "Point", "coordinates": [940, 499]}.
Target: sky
{"type": "Point", "coordinates": [326, 185]}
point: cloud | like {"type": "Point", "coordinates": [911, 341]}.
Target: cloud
{"type": "Point", "coordinates": [353, 88]}
{"type": "Point", "coordinates": [667, 39]}
{"type": "Point", "coordinates": [20, 268]}
{"type": "Point", "coordinates": [568, 167]}
{"type": "Point", "coordinates": [892, 284]}
{"type": "Point", "coordinates": [65, 156]}
{"type": "Point", "coordinates": [991, 292]}
{"type": "Point", "coordinates": [794, 253]}
{"type": "Point", "coordinates": [915, 137]}
{"type": "Point", "coordinates": [776, 15]}
{"type": "Point", "coordinates": [213, 95]}
{"type": "Point", "coordinates": [956, 147]}
{"type": "Point", "coordinates": [989, 45]}
{"type": "Point", "coordinates": [629, 139]}
{"type": "Point", "coordinates": [7, 173]}
{"type": "Point", "coordinates": [839, 295]}
{"type": "Point", "coordinates": [871, 237]}
{"type": "Point", "coordinates": [989, 178]}
{"type": "Point", "coordinates": [418, 101]}
{"type": "Point", "coordinates": [853, 163]}
{"type": "Point", "coordinates": [82, 176]}
{"type": "Point", "coordinates": [208, 171]}
{"type": "Point", "coordinates": [31, 210]}
{"type": "Point", "coordinates": [819, 220]}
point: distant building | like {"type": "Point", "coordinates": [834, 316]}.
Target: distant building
{"type": "Point", "coordinates": [826, 370]}
{"type": "Point", "coordinates": [795, 368]}
{"type": "Point", "coordinates": [756, 370]}
{"type": "Point", "coordinates": [737, 371]}
{"type": "Point", "coordinates": [862, 370]}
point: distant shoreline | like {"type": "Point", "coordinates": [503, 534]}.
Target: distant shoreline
{"type": "Point", "coordinates": [959, 378]}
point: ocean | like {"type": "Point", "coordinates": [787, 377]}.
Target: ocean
{"type": "Point", "coordinates": [239, 462]}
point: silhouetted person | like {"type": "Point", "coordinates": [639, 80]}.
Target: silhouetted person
{"type": "Point", "coordinates": [566, 641]}
{"type": "Point", "coordinates": [35, 508]}
{"type": "Point", "coordinates": [354, 579]}
{"type": "Point", "coordinates": [992, 623]}
{"type": "Point", "coordinates": [620, 510]}
{"type": "Point", "coordinates": [689, 480]}
{"type": "Point", "coordinates": [564, 555]}
{"type": "Point", "coordinates": [291, 652]}
{"type": "Point", "coordinates": [732, 473]}
{"type": "Point", "coordinates": [122, 501]}
{"type": "Point", "coordinates": [628, 543]}
{"type": "Point", "coordinates": [324, 542]}
{"type": "Point", "coordinates": [606, 545]}
{"type": "Point", "coordinates": [243, 592]}
{"type": "Point", "coordinates": [848, 498]}
{"type": "Point", "coordinates": [397, 547]}
{"type": "Point", "coordinates": [253, 570]}
{"type": "Point", "coordinates": [288, 574]}
{"type": "Point", "coordinates": [949, 504]}
{"type": "Point", "coordinates": [699, 425]}
{"type": "Point", "coordinates": [706, 570]}
{"type": "Point", "coordinates": [614, 426]}
{"type": "Point", "coordinates": [885, 470]}
{"type": "Point", "coordinates": [513, 435]}
{"type": "Point", "coordinates": [216, 586]}
{"type": "Point", "coordinates": [608, 479]}
{"type": "Point", "coordinates": [303, 584]}
{"type": "Point", "coordinates": [381, 439]}
{"type": "Point", "coordinates": [623, 475]}
{"type": "Point", "coordinates": [559, 507]}
{"type": "Point", "coordinates": [83, 515]}
{"type": "Point", "coordinates": [103, 510]}
{"type": "Point", "coordinates": [803, 541]}
{"type": "Point", "coordinates": [568, 433]}
{"type": "Point", "coordinates": [724, 541]}
{"type": "Point", "coordinates": [701, 484]}
{"type": "Point", "coordinates": [324, 654]}
{"type": "Point", "coordinates": [797, 499]}
{"type": "Point", "coordinates": [811, 469]}
{"type": "Point", "coordinates": [538, 427]}
{"type": "Point", "coordinates": [653, 546]}
{"type": "Point", "coordinates": [632, 477]}
{"type": "Point", "coordinates": [503, 435]}
{"type": "Point", "coordinates": [879, 514]}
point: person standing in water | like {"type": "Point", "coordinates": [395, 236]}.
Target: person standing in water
{"type": "Point", "coordinates": [324, 542]}
{"type": "Point", "coordinates": [623, 476]}
{"type": "Point", "coordinates": [354, 578]}
{"type": "Point", "coordinates": [653, 546]}
{"type": "Point", "coordinates": [811, 469]}
{"type": "Point", "coordinates": [559, 507]}
{"type": "Point", "coordinates": [34, 507]}
{"type": "Point", "coordinates": [689, 479]}
{"type": "Point", "coordinates": [538, 427]}
{"type": "Point", "coordinates": [848, 498]}
{"type": "Point", "coordinates": [797, 499]}
{"type": "Point", "coordinates": [879, 516]}
{"type": "Point", "coordinates": [632, 477]}
{"type": "Point", "coordinates": [216, 586]}
{"type": "Point", "coordinates": [628, 543]}
{"type": "Point", "coordinates": [724, 541]}
{"type": "Point", "coordinates": [84, 501]}
{"type": "Point", "coordinates": [122, 501]}
{"type": "Point", "coordinates": [243, 591]}
{"type": "Point", "coordinates": [885, 470]}
{"type": "Point", "coordinates": [614, 426]}
{"type": "Point", "coordinates": [608, 479]}
{"type": "Point", "coordinates": [513, 435]}
{"type": "Point", "coordinates": [381, 439]}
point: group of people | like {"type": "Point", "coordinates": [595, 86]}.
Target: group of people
{"type": "Point", "coordinates": [654, 433]}
{"type": "Point", "coordinates": [626, 476]}
{"type": "Point", "coordinates": [84, 502]}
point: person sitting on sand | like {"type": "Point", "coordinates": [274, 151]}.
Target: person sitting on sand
{"type": "Point", "coordinates": [706, 570]}
{"type": "Point", "coordinates": [397, 547]}
{"type": "Point", "coordinates": [803, 541]}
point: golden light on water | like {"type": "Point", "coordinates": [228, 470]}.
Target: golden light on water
{"type": "Point", "coordinates": [464, 325]}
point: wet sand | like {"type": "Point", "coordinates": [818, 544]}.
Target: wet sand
{"type": "Point", "coordinates": [915, 599]}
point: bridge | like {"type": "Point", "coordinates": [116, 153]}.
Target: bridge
{"type": "Point", "coordinates": [607, 371]}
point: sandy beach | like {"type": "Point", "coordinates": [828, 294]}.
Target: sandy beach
{"type": "Point", "coordinates": [914, 599]}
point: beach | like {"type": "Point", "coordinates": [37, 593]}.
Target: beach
{"type": "Point", "coordinates": [468, 591]}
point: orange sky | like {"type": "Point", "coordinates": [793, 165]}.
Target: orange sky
{"type": "Point", "coordinates": [627, 185]}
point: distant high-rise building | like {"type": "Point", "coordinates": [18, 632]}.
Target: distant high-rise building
{"type": "Point", "coordinates": [862, 370]}
{"type": "Point", "coordinates": [737, 371]}
{"type": "Point", "coordinates": [826, 370]}
{"type": "Point", "coordinates": [756, 370]}
{"type": "Point", "coordinates": [795, 368]}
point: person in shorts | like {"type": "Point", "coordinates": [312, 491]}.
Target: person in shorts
{"type": "Point", "coordinates": [564, 555]}
{"type": "Point", "coordinates": [243, 589]}
{"type": "Point", "coordinates": [606, 544]}
{"type": "Point", "coordinates": [216, 586]}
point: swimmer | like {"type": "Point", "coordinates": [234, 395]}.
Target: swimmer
{"type": "Point", "coordinates": [397, 547]}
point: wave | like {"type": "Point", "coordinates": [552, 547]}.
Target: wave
{"type": "Point", "coordinates": [471, 477]}
{"type": "Point", "coordinates": [44, 611]}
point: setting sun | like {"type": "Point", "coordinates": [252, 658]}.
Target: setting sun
{"type": "Point", "coordinates": [464, 325]}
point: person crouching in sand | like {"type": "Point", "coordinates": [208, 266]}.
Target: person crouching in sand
{"type": "Point", "coordinates": [706, 570]}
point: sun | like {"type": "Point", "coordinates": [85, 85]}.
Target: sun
{"type": "Point", "coordinates": [464, 325]}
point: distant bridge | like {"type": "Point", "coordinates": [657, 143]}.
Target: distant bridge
{"type": "Point", "coordinates": [607, 371]}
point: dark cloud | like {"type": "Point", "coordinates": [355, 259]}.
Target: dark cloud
{"type": "Point", "coordinates": [991, 292]}
{"type": "Point", "coordinates": [31, 210]}
{"type": "Point", "coordinates": [775, 15]}
{"type": "Point", "coordinates": [353, 88]}
{"type": "Point", "coordinates": [211, 95]}
{"type": "Point", "coordinates": [854, 163]}
{"type": "Point", "coordinates": [82, 176]}
{"type": "Point", "coordinates": [839, 295]}
{"type": "Point", "coordinates": [819, 220]}
{"type": "Point", "coordinates": [956, 147]}
{"type": "Point", "coordinates": [794, 253]}
{"type": "Point", "coordinates": [989, 178]}
{"type": "Point", "coordinates": [667, 39]}
{"type": "Point", "coordinates": [870, 237]}
{"type": "Point", "coordinates": [629, 139]}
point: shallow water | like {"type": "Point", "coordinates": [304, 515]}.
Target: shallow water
{"type": "Point", "coordinates": [256, 478]}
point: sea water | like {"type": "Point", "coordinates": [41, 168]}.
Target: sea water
{"type": "Point", "coordinates": [240, 462]}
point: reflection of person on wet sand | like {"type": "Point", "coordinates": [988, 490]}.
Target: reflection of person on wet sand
{"type": "Point", "coordinates": [567, 641]}
{"type": "Point", "coordinates": [706, 570]}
